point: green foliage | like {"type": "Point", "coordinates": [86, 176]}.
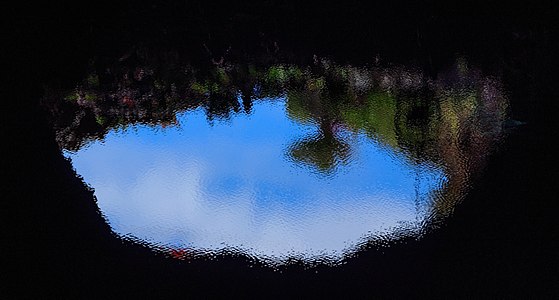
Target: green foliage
{"type": "Point", "coordinates": [101, 120]}
{"type": "Point", "coordinates": [323, 152]}
{"type": "Point", "coordinates": [93, 80]}
{"type": "Point", "coordinates": [199, 88]}
{"type": "Point", "coordinates": [276, 74]}
{"type": "Point", "coordinates": [222, 76]}
{"type": "Point", "coordinates": [282, 74]}
{"type": "Point", "coordinates": [72, 97]}
{"type": "Point", "coordinates": [323, 96]}
{"type": "Point", "coordinates": [296, 109]}
{"type": "Point", "coordinates": [89, 97]}
{"type": "Point", "coordinates": [376, 117]}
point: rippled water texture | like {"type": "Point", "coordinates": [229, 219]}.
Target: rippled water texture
{"type": "Point", "coordinates": [283, 161]}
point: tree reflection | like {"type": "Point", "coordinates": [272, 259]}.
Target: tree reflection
{"type": "Point", "coordinates": [324, 151]}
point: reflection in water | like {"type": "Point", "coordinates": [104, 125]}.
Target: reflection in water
{"type": "Point", "coordinates": [209, 188]}
{"type": "Point", "coordinates": [281, 161]}
{"type": "Point", "coordinates": [322, 150]}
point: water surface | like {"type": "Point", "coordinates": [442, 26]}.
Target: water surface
{"type": "Point", "coordinates": [280, 162]}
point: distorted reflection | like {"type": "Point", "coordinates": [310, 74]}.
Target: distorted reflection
{"type": "Point", "coordinates": [277, 162]}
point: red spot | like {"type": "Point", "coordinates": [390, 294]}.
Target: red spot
{"type": "Point", "coordinates": [128, 101]}
{"type": "Point", "coordinates": [181, 254]}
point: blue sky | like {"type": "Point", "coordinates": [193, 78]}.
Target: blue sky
{"type": "Point", "coordinates": [231, 185]}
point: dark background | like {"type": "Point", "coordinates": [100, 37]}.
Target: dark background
{"type": "Point", "coordinates": [500, 242]}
